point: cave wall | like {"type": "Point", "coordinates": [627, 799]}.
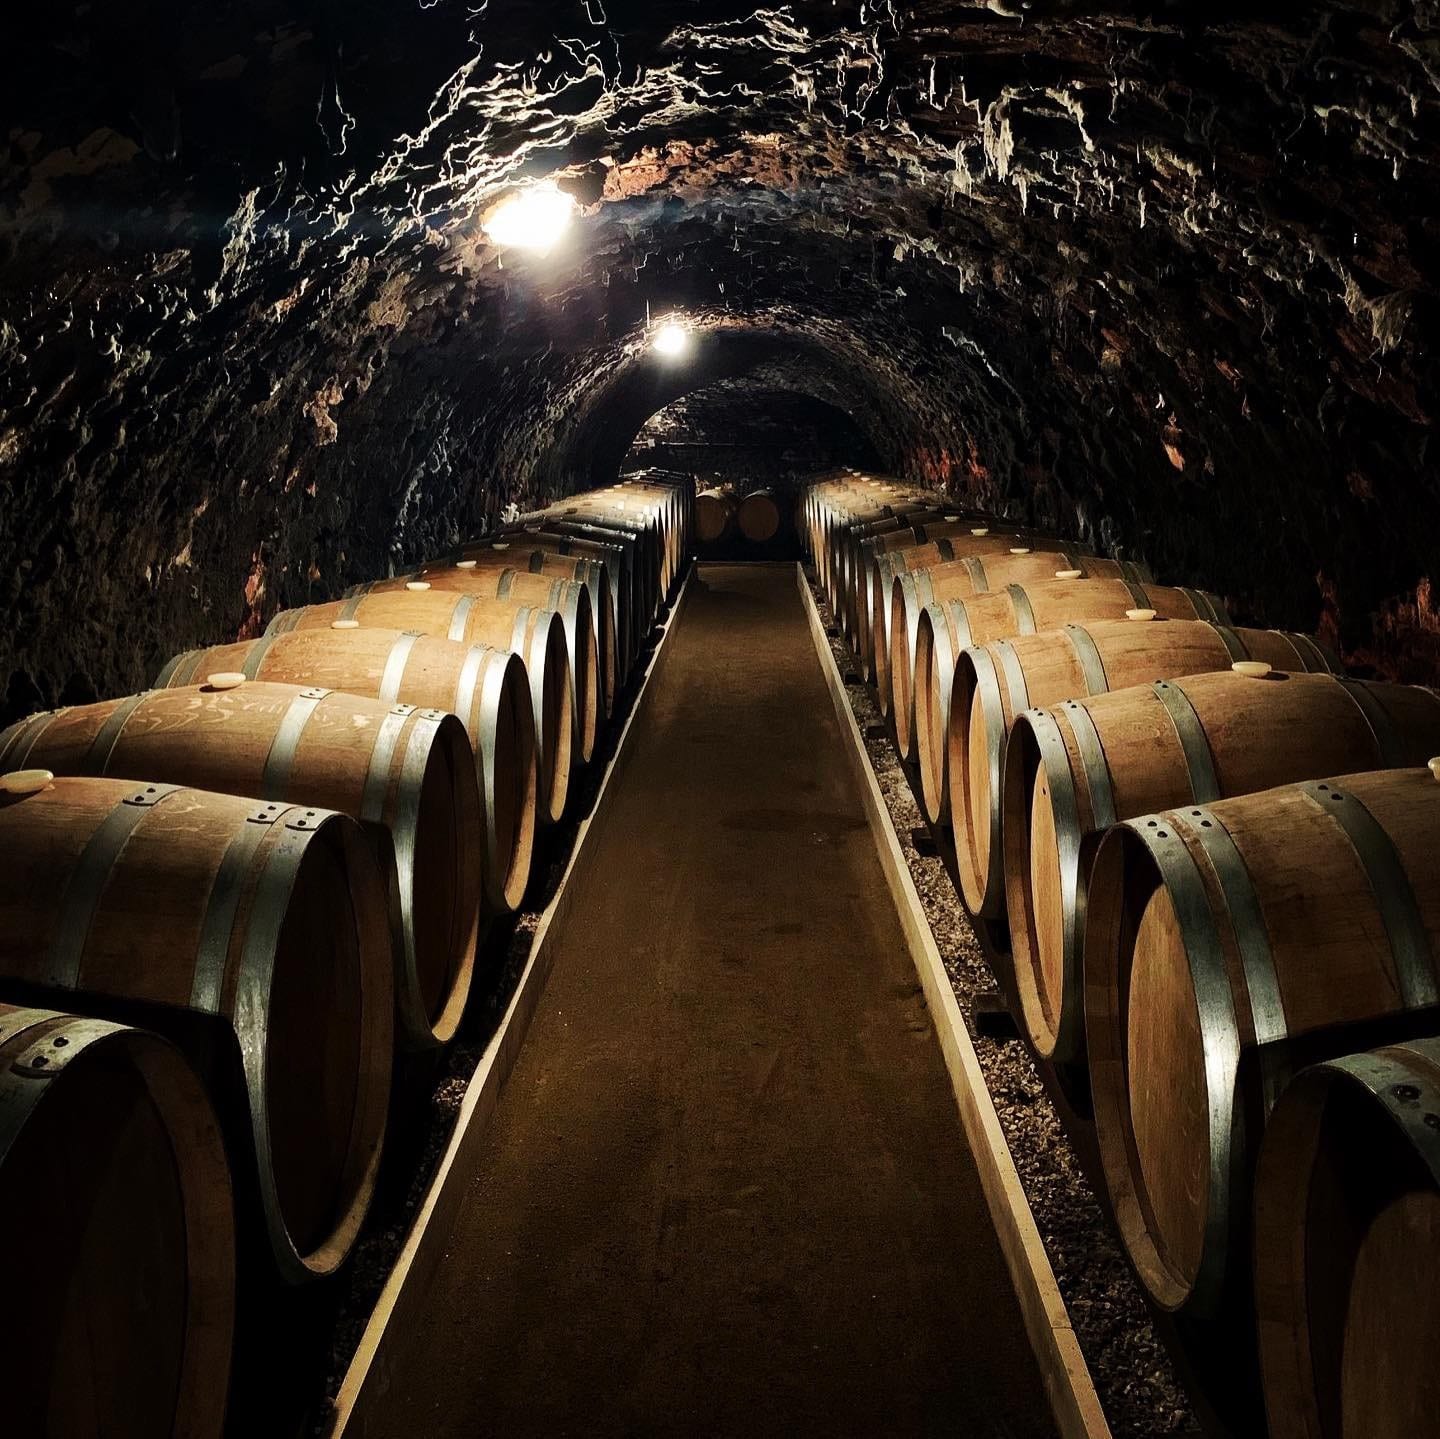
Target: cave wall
{"type": "Point", "coordinates": [1163, 275]}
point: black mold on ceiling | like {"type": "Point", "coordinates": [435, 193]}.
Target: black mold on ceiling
{"type": "Point", "coordinates": [1162, 274]}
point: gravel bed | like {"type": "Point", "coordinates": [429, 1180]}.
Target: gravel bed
{"type": "Point", "coordinates": [1132, 1371]}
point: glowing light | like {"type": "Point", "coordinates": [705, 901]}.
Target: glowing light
{"type": "Point", "coordinates": [535, 219]}
{"type": "Point", "coordinates": [671, 340]}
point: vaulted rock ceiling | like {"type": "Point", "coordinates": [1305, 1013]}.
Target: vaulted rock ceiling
{"type": "Point", "coordinates": [1162, 274]}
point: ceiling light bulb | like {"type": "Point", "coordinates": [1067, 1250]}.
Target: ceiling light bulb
{"type": "Point", "coordinates": [671, 340]}
{"type": "Point", "coordinates": [535, 219]}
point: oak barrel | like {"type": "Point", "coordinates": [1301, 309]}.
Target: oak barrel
{"type": "Point", "coordinates": [933, 544]}
{"type": "Point", "coordinates": [993, 683]}
{"type": "Point", "coordinates": [601, 569]}
{"type": "Point", "coordinates": [623, 547]}
{"type": "Point", "coordinates": [898, 676]}
{"type": "Point", "coordinates": [535, 634]}
{"type": "Point", "coordinates": [269, 917]}
{"type": "Point", "coordinates": [610, 522]}
{"type": "Point", "coordinates": [115, 1199]}
{"type": "Point", "coordinates": [1019, 609]}
{"type": "Point", "coordinates": [758, 517]}
{"type": "Point", "coordinates": [407, 774]}
{"type": "Point", "coordinates": [984, 544]}
{"type": "Point", "coordinates": [1218, 938]}
{"type": "Point", "coordinates": [568, 598]}
{"type": "Point", "coordinates": [485, 688]}
{"type": "Point", "coordinates": [1073, 770]}
{"type": "Point", "coordinates": [1347, 1248]}
{"type": "Point", "coordinates": [714, 516]}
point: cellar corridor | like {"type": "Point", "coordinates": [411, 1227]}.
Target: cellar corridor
{"type": "Point", "coordinates": [725, 1190]}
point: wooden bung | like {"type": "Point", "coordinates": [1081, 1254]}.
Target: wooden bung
{"type": "Point", "coordinates": [993, 683]}
{"type": "Point", "coordinates": [406, 774]}
{"type": "Point", "coordinates": [1347, 1248]}
{"type": "Point", "coordinates": [113, 1186]}
{"type": "Point", "coordinates": [485, 688]}
{"type": "Point", "coordinates": [1222, 940]}
{"type": "Point", "coordinates": [1073, 770]}
{"type": "Point", "coordinates": [534, 634]}
{"type": "Point", "coordinates": [263, 921]}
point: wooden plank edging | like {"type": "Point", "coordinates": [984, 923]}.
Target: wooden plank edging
{"type": "Point", "coordinates": [1069, 1387]}
{"type": "Point", "coordinates": [368, 1377]}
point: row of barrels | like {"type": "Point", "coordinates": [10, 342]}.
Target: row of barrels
{"type": "Point", "coordinates": [232, 901]}
{"type": "Point", "coordinates": [1205, 857]}
{"type": "Point", "coordinates": [722, 512]}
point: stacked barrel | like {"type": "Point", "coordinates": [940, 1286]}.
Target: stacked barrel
{"type": "Point", "coordinates": [734, 519]}
{"type": "Point", "coordinates": [1203, 861]}
{"type": "Point", "coordinates": [234, 902]}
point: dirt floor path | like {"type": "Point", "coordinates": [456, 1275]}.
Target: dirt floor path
{"type": "Point", "coordinates": [726, 1191]}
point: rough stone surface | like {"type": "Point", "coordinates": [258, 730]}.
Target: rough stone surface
{"type": "Point", "coordinates": [1162, 273]}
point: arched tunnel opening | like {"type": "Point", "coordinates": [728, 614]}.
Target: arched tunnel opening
{"type": "Point", "coordinates": [720, 719]}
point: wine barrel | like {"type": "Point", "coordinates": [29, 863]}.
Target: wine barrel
{"type": "Point", "coordinates": [1020, 609]}
{"type": "Point", "coordinates": [669, 501]}
{"type": "Point", "coordinates": [469, 576]}
{"type": "Point", "coordinates": [844, 504]}
{"type": "Point", "coordinates": [991, 684]}
{"type": "Point", "coordinates": [115, 1198]}
{"type": "Point", "coordinates": [969, 577]}
{"type": "Point", "coordinates": [408, 775]}
{"type": "Point", "coordinates": [1218, 936]}
{"type": "Point", "coordinates": [932, 544]}
{"type": "Point", "coordinates": [645, 519]}
{"type": "Point", "coordinates": [487, 689]}
{"type": "Point", "coordinates": [534, 634]}
{"type": "Point", "coordinates": [848, 502]}
{"type": "Point", "coordinates": [578, 537]}
{"type": "Point", "coordinates": [759, 517]}
{"type": "Point", "coordinates": [613, 522]}
{"type": "Point", "coordinates": [269, 917]}
{"type": "Point", "coordinates": [919, 547]}
{"type": "Point", "coordinates": [848, 543]}
{"type": "Point", "coordinates": [1072, 771]}
{"type": "Point", "coordinates": [714, 516]}
{"type": "Point", "coordinates": [601, 569]}
{"type": "Point", "coordinates": [568, 598]}
{"type": "Point", "coordinates": [1347, 1248]}
{"type": "Point", "coordinates": [860, 511]}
